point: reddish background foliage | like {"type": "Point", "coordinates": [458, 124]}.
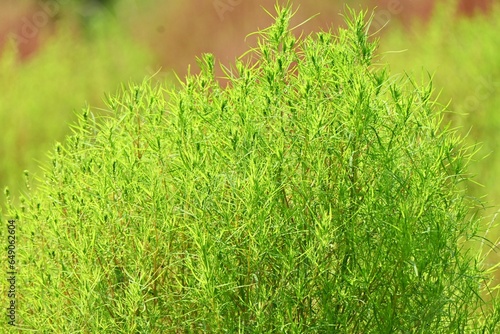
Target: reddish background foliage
{"type": "Point", "coordinates": [177, 34]}
{"type": "Point", "coordinates": [13, 16]}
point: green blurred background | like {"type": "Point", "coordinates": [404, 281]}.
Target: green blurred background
{"type": "Point", "coordinates": [57, 56]}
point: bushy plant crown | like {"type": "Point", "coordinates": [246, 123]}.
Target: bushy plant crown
{"type": "Point", "coordinates": [315, 193]}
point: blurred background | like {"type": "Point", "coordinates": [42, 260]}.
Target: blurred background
{"type": "Point", "coordinates": [57, 56]}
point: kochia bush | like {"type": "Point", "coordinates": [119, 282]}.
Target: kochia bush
{"type": "Point", "coordinates": [314, 193]}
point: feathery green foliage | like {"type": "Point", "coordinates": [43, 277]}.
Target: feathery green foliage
{"type": "Point", "coordinates": [315, 193]}
{"type": "Point", "coordinates": [462, 52]}
{"type": "Point", "coordinates": [463, 55]}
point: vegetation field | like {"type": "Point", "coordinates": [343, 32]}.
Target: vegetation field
{"type": "Point", "coordinates": [318, 183]}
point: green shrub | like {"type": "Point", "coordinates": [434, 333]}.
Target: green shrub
{"type": "Point", "coordinates": [314, 193]}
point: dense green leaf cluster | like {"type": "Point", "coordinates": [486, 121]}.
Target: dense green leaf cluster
{"type": "Point", "coordinates": [314, 193]}
{"type": "Point", "coordinates": [463, 55]}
